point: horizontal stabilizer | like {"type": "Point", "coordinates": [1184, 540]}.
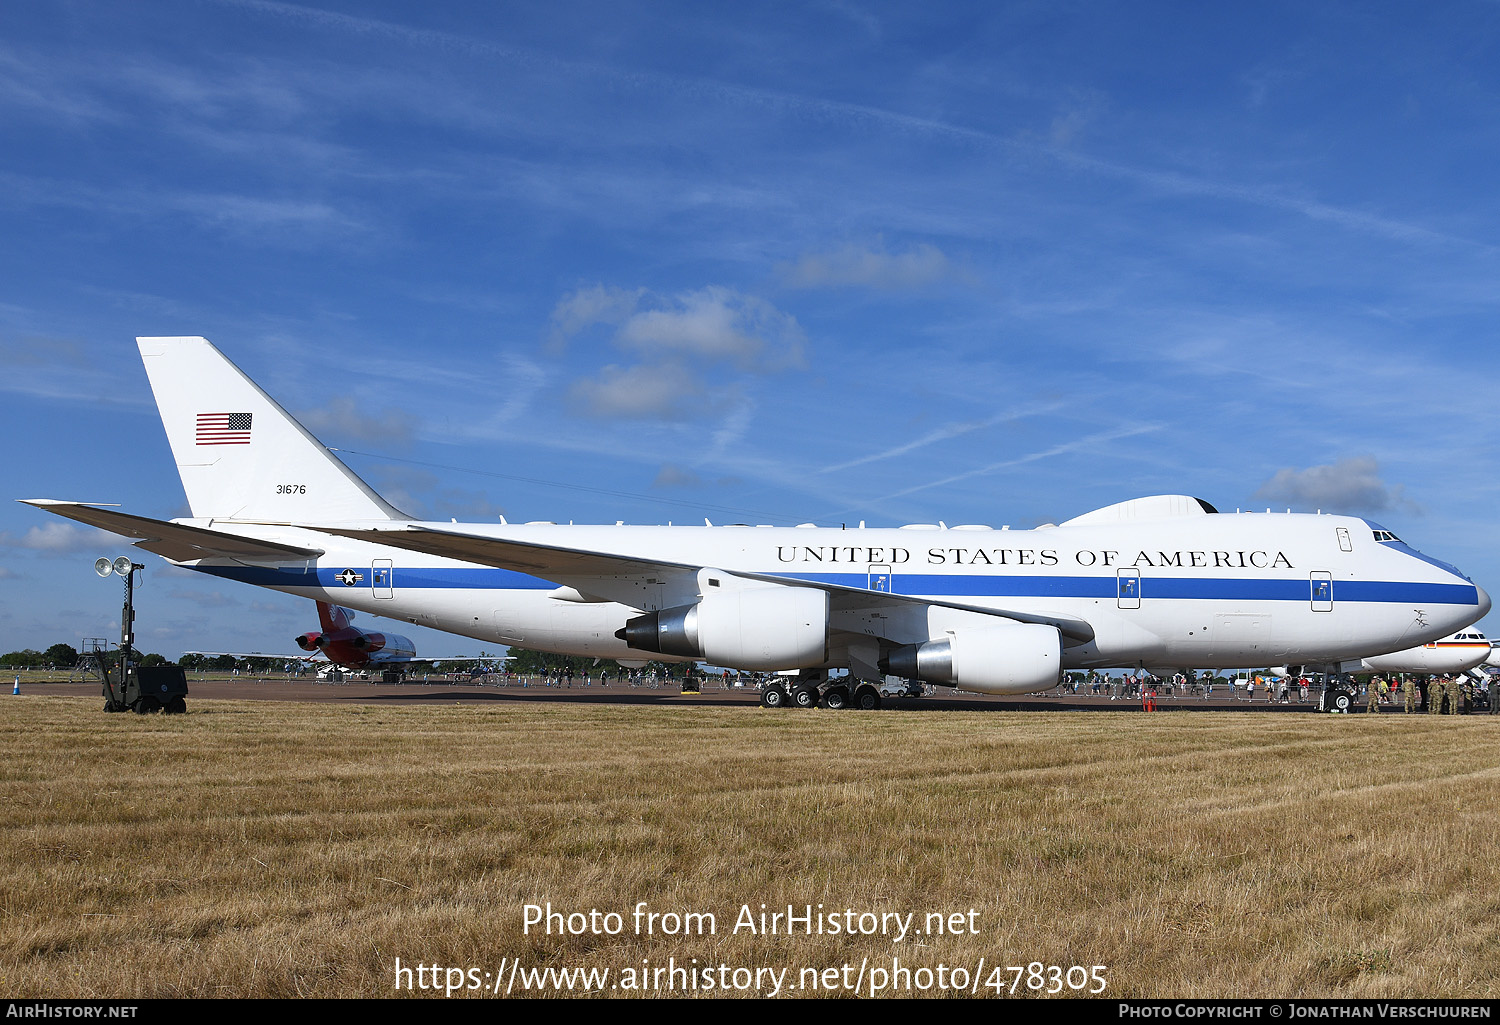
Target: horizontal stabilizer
{"type": "Point", "coordinates": [176, 541]}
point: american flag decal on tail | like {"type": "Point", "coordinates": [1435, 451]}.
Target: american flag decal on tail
{"type": "Point", "coordinates": [223, 428]}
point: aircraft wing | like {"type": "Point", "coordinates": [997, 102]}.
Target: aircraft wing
{"type": "Point", "coordinates": [321, 659]}
{"type": "Point", "coordinates": [622, 578]}
{"type": "Point", "coordinates": [301, 656]}
{"type": "Point", "coordinates": [175, 541]}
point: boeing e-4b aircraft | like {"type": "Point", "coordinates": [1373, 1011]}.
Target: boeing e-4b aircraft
{"type": "Point", "coordinates": [1162, 582]}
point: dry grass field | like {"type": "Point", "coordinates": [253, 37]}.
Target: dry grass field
{"type": "Point", "coordinates": [279, 849]}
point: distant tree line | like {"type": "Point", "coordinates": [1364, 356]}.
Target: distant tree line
{"type": "Point", "coordinates": [65, 656]}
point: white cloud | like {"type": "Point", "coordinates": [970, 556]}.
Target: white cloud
{"type": "Point", "coordinates": [872, 267]}
{"type": "Point", "coordinates": [1350, 485]}
{"type": "Point", "coordinates": [59, 539]}
{"type": "Point", "coordinates": [710, 325]}
{"type": "Point", "coordinates": [690, 348]}
{"type": "Point", "coordinates": [667, 391]}
{"type": "Point", "coordinates": [715, 324]}
{"type": "Point", "coordinates": [341, 417]}
{"type": "Point", "coordinates": [589, 306]}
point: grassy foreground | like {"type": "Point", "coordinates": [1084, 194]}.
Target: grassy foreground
{"type": "Point", "coordinates": [264, 849]}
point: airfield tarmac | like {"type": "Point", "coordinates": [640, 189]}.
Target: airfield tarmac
{"type": "Point", "coordinates": [449, 692]}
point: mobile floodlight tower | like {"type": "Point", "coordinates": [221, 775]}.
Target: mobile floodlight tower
{"type": "Point", "coordinates": [138, 689]}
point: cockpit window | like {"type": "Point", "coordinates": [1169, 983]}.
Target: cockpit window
{"type": "Point", "coordinates": [1386, 535]}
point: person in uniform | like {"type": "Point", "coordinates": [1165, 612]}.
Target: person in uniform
{"type": "Point", "coordinates": [1372, 695]}
{"type": "Point", "coordinates": [1409, 689]}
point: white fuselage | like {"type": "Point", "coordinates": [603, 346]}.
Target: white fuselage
{"type": "Point", "coordinates": [1224, 590]}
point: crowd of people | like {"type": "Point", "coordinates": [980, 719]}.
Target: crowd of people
{"type": "Point", "coordinates": [1445, 695]}
{"type": "Point", "coordinates": [1437, 695]}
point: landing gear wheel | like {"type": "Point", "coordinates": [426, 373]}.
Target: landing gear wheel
{"type": "Point", "coordinates": [838, 697]}
{"type": "Point", "coordinates": [867, 698]}
{"type": "Point", "coordinates": [805, 697]}
{"type": "Point", "coordinates": [1342, 701]}
{"type": "Point", "coordinates": [773, 696]}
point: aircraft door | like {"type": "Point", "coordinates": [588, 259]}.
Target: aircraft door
{"type": "Point", "coordinates": [382, 583]}
{"type": "Point", "coordinates": [881, 579]}
{"type": "Point", "coordinates": [1129, 583]}
{"type": "Point", "coordinates": [1322, 591]}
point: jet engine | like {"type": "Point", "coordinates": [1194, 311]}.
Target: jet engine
{"type": "Point", "coordinates": [764, 628]}
{"type": "Point", "coordinates": [1007, 658]}
{"type": "Point", "coordinates": [350, 646]}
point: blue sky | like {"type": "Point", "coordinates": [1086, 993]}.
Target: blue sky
{"type": "Point", "coordinates": [979, 263]}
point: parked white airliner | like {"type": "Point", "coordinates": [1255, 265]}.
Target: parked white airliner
{"type": "Point", "coordinates": [1455, 653]}
{"type": "Point", "coordinates": [1160, 582]}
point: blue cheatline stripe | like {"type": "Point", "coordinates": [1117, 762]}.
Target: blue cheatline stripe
{"type": "Point", "coordinates": [1219, 588]}
{"type": "Point", "coordinates": [934, 585]}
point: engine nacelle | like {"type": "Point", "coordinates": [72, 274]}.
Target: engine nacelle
{"type": "Point", "coordinates": [311, 641]}
{"type": "Point", "coordinates": [1007, 658]}
{"type": "Point", "coordinates": [385, 647]}
{"type": "Point", "coordinates": [764, 628]}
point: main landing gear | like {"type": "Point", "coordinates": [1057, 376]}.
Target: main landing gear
{"type": "Point", "coordinates": [813, 689]}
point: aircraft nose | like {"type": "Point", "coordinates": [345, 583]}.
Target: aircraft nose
{"type": "Point", "coordinates": [1484, 602]}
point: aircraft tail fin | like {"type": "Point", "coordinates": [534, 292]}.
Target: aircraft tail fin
{"type": "Point", "coordinates": [240, 455]}
{"type": "Point", "coordinates": [333, 618]}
